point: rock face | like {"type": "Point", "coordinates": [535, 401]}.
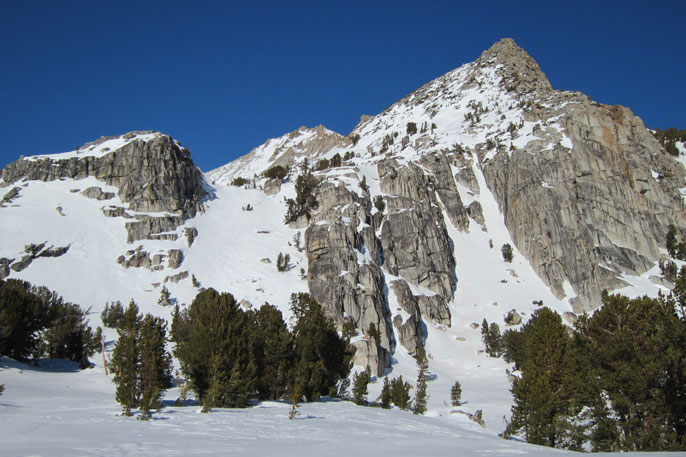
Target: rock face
{"type": "Point", "coordinates": [594, 205]}
{"type": "Point", "coordinates": [337, 237]}
{"type": "Point", "coordinates": [415, 242]}
{"type": "Point", "coordinates": [155, 175]}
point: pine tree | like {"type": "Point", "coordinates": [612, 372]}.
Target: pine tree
{"type": "Point", "coordinates": [125, 359]}
{"type": "Point", "coordinates": [456, 394]}
{"type": "Point", "coordinates": [420, 397]}
{"type": "Point", "coordinates": [165, 297]}
{"type": "Point", "coordinates": [400, 391]}
{"type": "Point", "coordinates": [541, 406]}
{"type": "Point", "coordinates": [274, 353]}
{"type": "Point", "coordinates": [322, 357]}
{"type": "Point", "coordinates": [360, 382]}
{"type": "Point", "coordinates": [507, 252]}
{"type": "Point", "coordinates": [155, 363]}
{"type": "Point", "coordinates": [386, 394]}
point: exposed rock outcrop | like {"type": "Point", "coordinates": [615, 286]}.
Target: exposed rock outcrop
{"type": "Point", "coordinates": [97, 193]}
{"type": "Point", "coordinates": [415, 242]}
{"type": "Point", "coordinates": [153, 175]}
{"type": "Point", "coordinates": [342, 271]}
{"type": "Point", "coordinates": [368, 353]}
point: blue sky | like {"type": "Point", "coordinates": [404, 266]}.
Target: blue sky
{"type": "Point", "coordinates": [222, 77]}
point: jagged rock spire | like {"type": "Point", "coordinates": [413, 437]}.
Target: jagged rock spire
{"type": "Point", "coordinates": [518, 68]}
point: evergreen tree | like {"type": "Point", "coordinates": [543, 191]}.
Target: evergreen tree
{"type": "Point", "coordinates": [22, 315]}
{"type": "Point", "coordinates": [420, 397]}
{"type": "Point", "coordinates": [540, 409]}
{"type": "Point", "coordinates": [274, 353]}
{"type": "Point", "coordinates": [386, 394]}
{"type": "Point", "coordinates": [2, 388]}
{"type": "Point", "coordinates": [322, 358]}
{"type": "Point", "coordinates": [125, 359]}
{"type": "Point", "coordinates": [360, 382]}
{"type": "Point", "coordinates": [68, 335]}
{"type": "Point", "coordinates": [155, 363]}
{"type": "Point", "coordinates": [111, 314]}
{"type": "Point", "coordinates": [506, 250]}
{"type": "Point", "coordinates": [493, 342]}
{"type": "Point", "coordinates": [400, 391]}
{"type": "Point", "coordinates": [456, 394]}
{"type": "Point", "coordinates": [165, 297]}
{"type": "Point", "coordinates": [213, 344]}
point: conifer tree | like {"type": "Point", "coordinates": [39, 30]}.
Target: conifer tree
{"type": "Point", "coordinates": [125, 359]}
{"type": "Point", "coordinates": [456, 394]}
{"type": "Point", "coordinates": [155, 363]}
{"type": "Point", "coordinates": [165, 297]}
{"type": "Point", "coordinates": [420, 394]}
{"type": "Point", "coordinates": [273, 353]}
{"type": "Point", "coordinates": [386, 394]}
{"type": "Point", "coordinates": [360, 382]}
{"type": "Point", "coordinates": [322, 357]}
{"type": "Point", "coordinates": [400, 391]}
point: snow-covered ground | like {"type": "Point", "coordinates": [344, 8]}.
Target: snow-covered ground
{"type": "Point", "coordinates": [58, 411]}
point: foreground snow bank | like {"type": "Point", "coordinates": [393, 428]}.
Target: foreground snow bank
{"type": "Point", "coordinates": [56, 410]}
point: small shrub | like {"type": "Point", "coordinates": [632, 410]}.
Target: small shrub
{"type": "Point", "coordinates": [239, 181]}
{"type": "Point", "coordinates": [411, 128]}
{"type": "Point", "coordinates": [282, 262]}
{"type": "Point", "coordinates": [276, 172]}
{"type": "Point", "coordinates": [456, 394]}
{"type": "Point", "coordinates": [507, 252]}
{"type": "Point", "coordinates": [379, 203]}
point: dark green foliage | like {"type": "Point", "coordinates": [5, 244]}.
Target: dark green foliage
{"type": "Point", "coordinates": [336, 160]}
{"type": "Point", "coordinates": [669, 137]}
{"type": "Point", "coordinates": [456, 394]}
{"type": "Point", "coordinates": [322, 358]}
{"type": "Point", "coordinates": [349, 329]}
{"type": "Point", "coordinates": [386, 394]}
{"type": "Point", "coordinates": [125, 360]}
{"type": "Point", "coordinates": [35, 322]}
{"type": "Point", "coordinates": [355, 138]}
{"type": "Point", "coordinates": [232, 356]}
{"type": "Point", "coordinates": [617, 383]}
{"type": "Point", "coordinates": [273, 352]}
{"type": "Point", "coordinates": [304, 201]}
{"type": "Point", "coordinates": [239, 181]}
{"type": "Point", "coordinates": [111, 314]}
{"type": "Point", "coordinates": [67, 335]}
{"type": "Point", "coordinates": [22, 315]}
{"type": "Point", "coordinates": [348, 156]}
{"type": "Point", "coordinates": [374, 333]}
{"type": "Point", "coordinates": [165, 297]}
{"type": "Point", "coordinates": [276, 172]}
{"type": "Point", "coordinates": [322, 164]}
{"type": "Point", "coordinates": [213, 339]}
{"type": "Point", "coordinates": [506, 250]}
{"type": "Point", "coordinates": [379, 203]}
{"type": "Point", "coordinates": [360, 382]}
{"type": "Point", "coordinates": [400, 392]}
{"type": "Point", "coordinates": [154, 371]}
{"type": "Point", "coordinates": [493, 341]}
{"type": "Point", "coordinates": [2, 388]}
{"type": "Point", "coordinates": [411, 128]}
{"type": "Point", "coordinates": [540, 402]}
{"type": "Point", "coordinates": [283, 262]}
{"type": "Point", "coordinates": [420, 396]}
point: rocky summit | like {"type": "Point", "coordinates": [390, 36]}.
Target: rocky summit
{"type": "Point", "coordinates": [401, 231]}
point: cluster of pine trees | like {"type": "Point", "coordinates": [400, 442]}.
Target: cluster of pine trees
{"type": "Point", "coordinates": [232, 356]}
{"type": "Point", "coordinates": [140, 362]}
{"type": "Point", "coordinates": [615, 382]}
{"type": "Point", "coordinates": [36, 323]}
{"type": "Point", "coordinates": [669, 137]}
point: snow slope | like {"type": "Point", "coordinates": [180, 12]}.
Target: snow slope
{"type": "Point", "coordinates": [58, 411]}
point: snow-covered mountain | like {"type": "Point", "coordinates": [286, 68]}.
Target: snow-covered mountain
{"type": "Point", "coordinates": [407, 232]}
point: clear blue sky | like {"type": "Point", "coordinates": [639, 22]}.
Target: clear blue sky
{"type": "Point", "coordinates": [224, 76]}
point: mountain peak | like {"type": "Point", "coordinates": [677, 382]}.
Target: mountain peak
{"type": "Point", "coordinates": [520, 69]}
